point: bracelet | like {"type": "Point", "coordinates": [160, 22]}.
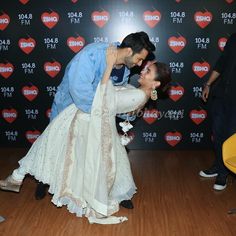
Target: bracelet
{"type": "Point", "coordinates": [207, 85]}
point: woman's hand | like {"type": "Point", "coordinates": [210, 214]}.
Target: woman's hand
{"type": "Point", "coordinates": [111, 56]}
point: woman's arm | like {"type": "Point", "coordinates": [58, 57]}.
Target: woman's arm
{"type": "Point", "coordinates": [111, 56]}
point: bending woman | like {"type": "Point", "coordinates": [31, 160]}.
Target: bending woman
{"type": "Point", "coordinates": [80, 155]}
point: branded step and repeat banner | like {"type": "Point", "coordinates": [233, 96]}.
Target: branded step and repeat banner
{"type": "Point", "coordinates": [39, 38]}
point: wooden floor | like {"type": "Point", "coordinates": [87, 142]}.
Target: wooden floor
{"type": "Point", "coordinates": [171, 200]}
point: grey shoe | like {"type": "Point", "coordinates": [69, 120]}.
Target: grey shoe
{"type": "Point", "coordinates": [9, 184]}
{"type": "Point", "coordinates": [2, 219]}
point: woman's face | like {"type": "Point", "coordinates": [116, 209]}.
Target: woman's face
{"type": "Point", "coordinates": [147, 76]}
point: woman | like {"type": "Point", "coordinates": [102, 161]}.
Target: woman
{"type": "Point", "coordinates": [80, 155]}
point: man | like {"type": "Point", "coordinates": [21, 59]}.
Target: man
{"type": "Point", "coordinates": [223, 109]}
{"type": "Point", "coordinates": [86, 69]}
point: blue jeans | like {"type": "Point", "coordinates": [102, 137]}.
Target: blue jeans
{"type": "Point", "coordinates": [223, 126]}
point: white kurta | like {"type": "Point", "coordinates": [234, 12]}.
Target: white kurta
{"type": "Point", "coordinates": [80, 156]}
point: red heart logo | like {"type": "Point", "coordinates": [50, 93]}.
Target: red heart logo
{"type": "Point", "coordinates": [100, 18]}
{"type": "Point", "coordinates": [229, 1]}
{"type": "Point", "coordinates": [4, 21]}
{"type": "Point", "coordinates": [48, 113]}
{"type": "Point", "coordinates": [221, 43]}
{"type": "Point", "coordinates": [52, 68]}
{"type": "Point", "coordinates": [6, 69]}
{"type": "Point", "coordinates": [74, 1]}
{"type": "Point", "coordinates": [176, 92]}
{"type": "Point", "coordinates": [203, 19]}
{"type": "Point", "coordinates": [32, 135]}
{"type": "Point", "coordinates": [131, 136]}
{"type": "Point", "coordinates": [173, 138]}
{"type": "Point", "coordinates": [24, 1]}
{"type": "Point", "coordinates": [152, 18]}
{"type": "Point", "coordinates": [200, 69]}
{"type": "Point", "coordinates": [178, 1]}
{"type": "Point", "coordinates": [9, 115]}
{"type": "Point", "coordinates": [30, 92]}
{"type": "Point", "coordinates": [177, 44]}
{"type": "Point", "coordinates": [50, 19]}
{"type": "Point", "coordinates": [198, 116]}
{"type": "Point", "coordinates": [27, 45]}
{"type": "Point", "coordinates": [75, 44]}
{"type": "Point", "coordinates": [150, 116]}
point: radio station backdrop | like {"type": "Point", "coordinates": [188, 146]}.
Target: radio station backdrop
{"type": "Point", "coordinates": [39, 38]}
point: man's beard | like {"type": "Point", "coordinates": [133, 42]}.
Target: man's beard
{"type": "Point", "coordinates": [129, 62]}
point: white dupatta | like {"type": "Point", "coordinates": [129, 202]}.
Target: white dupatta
{"type": "Point", "coordinates": [100, 162]}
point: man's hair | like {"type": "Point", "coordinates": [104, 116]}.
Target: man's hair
{"type": "Point", "coordinates": [137, 42]}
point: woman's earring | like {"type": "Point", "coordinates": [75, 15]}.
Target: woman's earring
{"type": "Point", "coordinates": [154, 95]}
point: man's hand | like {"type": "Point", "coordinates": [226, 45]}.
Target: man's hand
{"type": "Point", "coordinates": [205, 93]}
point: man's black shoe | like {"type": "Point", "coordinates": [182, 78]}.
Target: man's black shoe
{"type": "Point", "coordinates": [41, 191]}
{"type": "Point", "coordinates": [221, 182]}
{"type": "Point", "coordinates": [209, 173]}
{"type": "Point", "coordinates": [127, 204]}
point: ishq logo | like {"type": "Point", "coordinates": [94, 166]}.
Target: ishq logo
{"type": "Point", "coordinates": [75, 44]}
{"type": "Point", "coordinates": [52, 68]}
{"type": "Point", "coordinates": [100, 18]}
{"type": "Point", "coordinates": [27, 45]}
{"type": "Point", "coordinates": [31, 136]}
{"type": "Point", "coordinates": [175, 92]}
{"type": "Point", "coordinates": [6, 69]}
{"type": "Point", "coordinates": [150, 116]}
{"type": "Point", "coordinates": [4, 21]}
{"type": "Point", "coordinates": [221, 43]}
{"type": "Point", "coordinates": [48, 113]}
{"type": "Point", "coordinates": [30, 93]}
{"type": "Point", "coordinates": [203, 19]}
{"type": "Point", "coordinates": [173, 138]}
{"type": "Point", "coordinates": [9, 115]}
{"type": "Point", "coordinates": [229, 1]}
{"type": "Point", "coordinates": [50, 19]}
{"type": "Point", "coordinates": [201, 69]}
{"type": "Point", "coordinates": [152, 18]}
{"type": "Point", "coordinates": [198, 116]}
{"type": "Point", "coordinates": [24, 1]}
{"type": "Point", "coordinates": [177, 44]}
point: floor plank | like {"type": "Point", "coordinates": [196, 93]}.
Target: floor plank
{"type": "Point", "coordinates": [171, 200]}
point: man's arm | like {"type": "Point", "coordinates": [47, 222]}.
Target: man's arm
{"type": "Point", "coordinates": [206, 90]}
{"type": "Point", "coordinates": [81, 76]}
{"type": "Point", "coordinates": [217, 70]}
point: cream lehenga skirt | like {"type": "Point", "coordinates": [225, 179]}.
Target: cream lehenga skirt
{"type": "Point", "coordinates": [80, 157]}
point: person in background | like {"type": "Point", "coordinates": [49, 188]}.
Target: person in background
{"type": "Point", "coordinates": [223, 109]}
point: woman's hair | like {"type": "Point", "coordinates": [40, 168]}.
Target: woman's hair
{"type": "Point", "coordinates": [137, 42]}
{"type": "Point", "coordinates": [163, 75]}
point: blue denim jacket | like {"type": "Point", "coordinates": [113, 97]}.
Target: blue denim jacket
{"type": "Point", "coordinates": [81, 78]}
